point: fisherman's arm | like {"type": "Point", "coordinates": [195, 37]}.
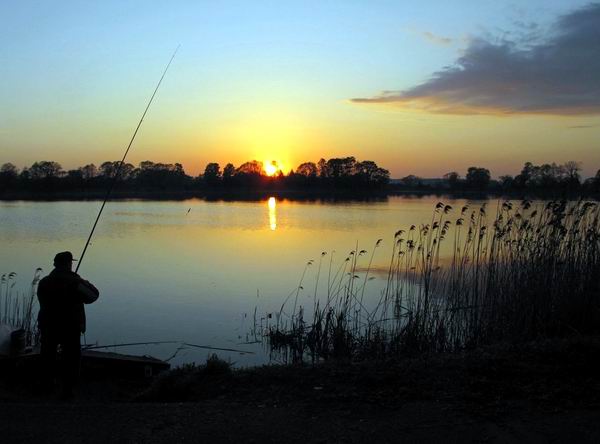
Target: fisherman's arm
{"type": "Point", "coordinates": [87, 291]}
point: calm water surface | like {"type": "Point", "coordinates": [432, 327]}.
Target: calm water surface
{"type": "Point", "coordinates": [194, 270]}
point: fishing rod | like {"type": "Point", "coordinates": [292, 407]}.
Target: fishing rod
{"type": "Point", "coordinates": [128, 344]}
{"type": "Point", "coordinates": [120, 166]}
{"type": "Point", "coordinates": [206, 347]}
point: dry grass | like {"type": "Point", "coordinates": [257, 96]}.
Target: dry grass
{"type": "Point", "coordinates": [18, 310]}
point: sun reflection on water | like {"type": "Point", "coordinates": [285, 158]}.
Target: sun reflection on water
{"type": "Point", "coordinates": [272, 204]}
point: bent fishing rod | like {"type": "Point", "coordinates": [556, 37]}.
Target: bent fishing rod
{"type": "Point", "coordinates": [120, 166]}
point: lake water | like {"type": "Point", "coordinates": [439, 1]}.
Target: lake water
{"type": "Point", "coordinates": [195, 270]}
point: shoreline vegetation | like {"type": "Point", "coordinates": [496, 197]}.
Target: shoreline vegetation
{"type": "Point", "coordinates": [343, 178]}
{"type": "Point", "coordinates": [527, 272]}
{"type": "Point", "coordinates": [549, 372]}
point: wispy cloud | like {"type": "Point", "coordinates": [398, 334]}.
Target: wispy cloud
{"type": "Point", "coordinates": [438, 40]}
{"type": "Point", "coordinates": [583, 126]}
{"type": "Point", "coordinates": [559, 75]}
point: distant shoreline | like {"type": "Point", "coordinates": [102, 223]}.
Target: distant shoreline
{"type": "Point", "coordinates": [262, 194]}
{"type": "Point", "coordinates": [216, 194]}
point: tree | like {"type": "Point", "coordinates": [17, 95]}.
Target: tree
{"type": "Point", "coordinates": [8, 169]}
{"type": "Point", "coordinates": [45, 170]}
{"type": "Point", "coordinates": [506, 182]}
{"type": "Point", "coordinates": [412, 181]}
{"type": "Point", "coordinates": [478, 178]}
{"type": "Point", "coordinates": [307, 169]}
{"type": "Point", "coordinates": [161, 175]}
{"type": "Point", "coordinates": [109, 169]}
{"type": "Point", "coordinates": [249, 174]}
{"type": "Point", "coordinates": [548, 175]}
{"type": "Point", "coordinates": [212, 173]}
{"type": "Point", "coordinates": [8, 175]}
{"type": "Point", "coordinates": [596, 181]}
{"type": "Point", "coordinates": [253, 167]}
{"type": "Point", "coordinates": [89, 171]}
{"type": "Point", "coordinates": [571, 171]}
{"type": "Point", "coordinates": [338, 168]}
{"type": "Point", "coordinates": [322, 169]}
{"type": "Point", "coordinates": [368, 172]}
{"type": "Point", "coordinates": [228, 172]}
{"type": "Point", "coordinates": [453, 178]}
{"type": "Point", "coordinates": [128, 171]}
{"type": "Point", "coordinates": [593, 183]}
{"type": "Point", "coordinates": [24, 175]}
{"type": "Point", "coordinates": [74, 177]}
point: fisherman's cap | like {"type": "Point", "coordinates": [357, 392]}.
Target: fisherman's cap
{"type": "Point", "coordinates": [64, 257]}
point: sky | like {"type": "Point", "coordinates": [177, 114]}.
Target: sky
{"type": "Point", "coordinates": [421, 87]}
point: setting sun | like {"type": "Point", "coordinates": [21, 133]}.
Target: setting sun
{"type": "Point", "coordinates": [272, 168]}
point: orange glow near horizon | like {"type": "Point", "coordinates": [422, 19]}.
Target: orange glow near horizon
{"type": "Point", "coordinates": [427, 146]}
{"type": "Point", "coordinates": [272, 167]}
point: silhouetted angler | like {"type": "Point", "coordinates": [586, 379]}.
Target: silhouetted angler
{"type": "Point", "coordinates": [61, 321]}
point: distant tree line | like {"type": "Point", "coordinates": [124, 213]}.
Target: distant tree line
{"type": "Point", "coordinates": [549, 176]}
{"type": "Point", "coordinates": [49, 176]}
{"type": "Point", "coordinates": [336, 173]}
{"type": "Point", "coordinates": [344, 172]}
{"type": "Point", "coordinates": [535, 178]}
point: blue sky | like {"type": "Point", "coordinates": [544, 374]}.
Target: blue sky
{"type": "Point", "coordinates": [262, 80]}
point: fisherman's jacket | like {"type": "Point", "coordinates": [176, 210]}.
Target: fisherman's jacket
{"type": "Point", "coordinates": [61, 301]}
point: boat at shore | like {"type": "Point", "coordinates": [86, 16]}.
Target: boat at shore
{"type": "Point", "coordinates": [16, 357]}
{"type": "Point", "coordinates": [94, 364]}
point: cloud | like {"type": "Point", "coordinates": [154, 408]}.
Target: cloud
{"type": "Point", "coordinates": [583, 126]}
{"type": "Point", "coordinates": [559, 75]}
{"type": "Point", "coordinates": [438, 40]}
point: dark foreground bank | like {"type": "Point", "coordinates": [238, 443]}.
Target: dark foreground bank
{"type": "Point", "coordinates": [540, 392]}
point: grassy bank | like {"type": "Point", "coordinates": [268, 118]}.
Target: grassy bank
{"type": "Point", "coordinates": [560, 373]}
{"type": "Point", "coordinates": [548, 374]}
{"type": "Point", "coordinates": [538, 392]}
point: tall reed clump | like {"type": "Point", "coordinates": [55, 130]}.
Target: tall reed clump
{"type": "Point", "coordinates": [18, 310]}
{"type": "Point", "coordinates": [457, 282]}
